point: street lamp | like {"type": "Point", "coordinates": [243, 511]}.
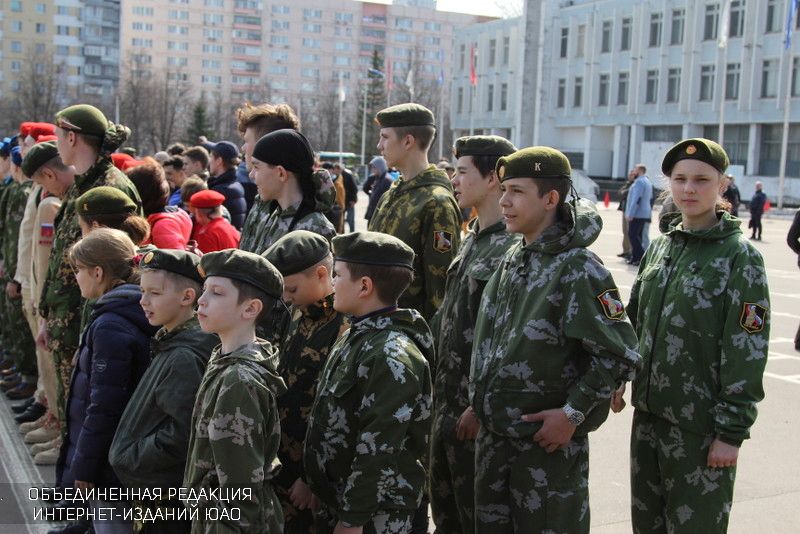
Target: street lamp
{"type": "Point", "coordinates": [371, 73]}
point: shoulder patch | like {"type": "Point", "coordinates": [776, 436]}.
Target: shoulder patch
{"type": "Point", "coordinates": [611, 303]}
{"type": "Point", "coordinates": [442, 241]}
{"type": "Point", "coordinates": [753, 317]}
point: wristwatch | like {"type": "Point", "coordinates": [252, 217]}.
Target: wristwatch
{"type": "Point", "coordinates": [573, 416]}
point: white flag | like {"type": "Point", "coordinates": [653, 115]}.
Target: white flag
{"type": "Point", "coordinates": [724, 24]}
{"type": "Point", "coordinates": [342, 96]}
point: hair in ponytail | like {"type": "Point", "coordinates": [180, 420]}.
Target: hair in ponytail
{"type": "Point", "coordinates": [110, 249]}
{"type": "Point", "coordinates": [137, 228]}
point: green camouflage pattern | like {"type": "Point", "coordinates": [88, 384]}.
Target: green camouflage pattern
{"type": "Point", "coordinates": [423, 213]}
{"type": "Point", "coordinates": [60, 303]}
{"type": "Point", "coordinates": [310, 336]}
{"type": "Point", "coordinates": [253, 223]}
{"type": "Point", "coordinates": [452, 460]}
{"type": "Point", "coordinates": [5, 336]}
{"type": "Point", "coordinates": [235, 439]}
{"type": "Point", "coordinates": [369, 427]}
{"type": "Point", "coordinates": [393, 522]}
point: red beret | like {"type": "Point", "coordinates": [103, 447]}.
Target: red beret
{"type": "Point", "coordinates": [46, 138]}
{"type": "Point", "coordinates": [118, 158]}
{"type": "Point", "coordinates": [25, 129]}
{"type": "Point", "coordinates": [131, 163]}
{"type": "Point", "coordinates": [207, 199]}
{"type": "Point", "coordinates": [42, 128]}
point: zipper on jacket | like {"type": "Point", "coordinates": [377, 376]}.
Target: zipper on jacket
{"type": "Point", "coordinates": [673, 262]}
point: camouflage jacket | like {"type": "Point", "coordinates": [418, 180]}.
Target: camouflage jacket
{"type": "Point", "coordinates": [700, 305]}
{"type": "Point", "coordinates": [256, 218]}
{"type": "Point", "coordinates": [60, 292]}
{"type": "Point", "coordinates": [235, 438]}
{"type": "Point", "coordinates": [370, 423]}
{"type": "Point", "coordinates": [424, 214]}
{"type": "Point", "coordinates": [453, 325]}
{"type": "Point", "coordinates": [304, 352]}
{"type": "Point", "coordinates": [551, 330]}
{"type": "Point", "coordinates": [12, 208]}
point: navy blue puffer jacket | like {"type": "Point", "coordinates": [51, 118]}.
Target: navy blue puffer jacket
{"type": "Point", "coordinates": [235, 202]}
{"type": "Point", "coordinates": [114, 354]}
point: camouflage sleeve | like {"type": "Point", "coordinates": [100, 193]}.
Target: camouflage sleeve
{"type": "Point", "coordinates": [595, 317]}
{"type": "Point", "coordinates": [440, 239]}
{"type": "Point", "coordinates": [745, 344]}
{"type": "Point", "coordinates": [390, 393]}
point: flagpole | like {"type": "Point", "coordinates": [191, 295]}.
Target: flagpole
{"type": "Point", "coordinates": [364, 123]}
{"type": "Point", "coordinates": [341, 120]}
{"type": "Point", "coordinates": [723, 49]}
{"type": "Point", "coordinates": [787, 103]}
{"type": "Point", "coordinates": [441, 120]}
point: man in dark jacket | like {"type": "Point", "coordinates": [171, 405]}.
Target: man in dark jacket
{"type": "Point", "coordinates": [377, 184]}
{"type": "Point", "coordinates": [223, 163]}
{"type": "Point", "coordinates": [794, 243]}
{"type": "Point", "coordinates": [732, 195]}
{"type": "Point", "coordinates": [757, 204]}
{"type": "Point", "coordinates": [350, 194]}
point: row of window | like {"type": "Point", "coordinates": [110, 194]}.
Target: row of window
{"type": "Point", "coordinates": [464, 60]}
{"type": "Point", "coordinates": [490, 99]}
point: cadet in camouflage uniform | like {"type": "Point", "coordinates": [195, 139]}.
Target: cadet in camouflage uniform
{"type": "Point", "coordinates": [235, 427]}
{"type": "Point", "coordinates": [551, 344]}
{"type": "Point", "coordinates": [700, 305]}
{"type": "Point", "coordinates": [419, 207]}
{"type": "Point", "coordinates": [5, 181]}
{"type": "Point", "coordinates": [305, 261]}
{"type": "Point", "coordinates": [85, 140]}
{"type": "Point", "coordinates": [453, 437]}
{"type": "Point", "coordinates": [370, 423]}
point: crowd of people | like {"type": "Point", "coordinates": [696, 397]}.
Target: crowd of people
{"type": "Point", "coordinates": [201, 319]}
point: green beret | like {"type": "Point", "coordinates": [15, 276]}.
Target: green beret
{"type": "Point", "coordinates": [37, 156]}
{"type": "Point", "coordinates": [483, 145]}
{"type": "Point", "coordinates": [534, 162]}
{"type": "Point", "coordinates": [83, 118]}
{"type": "Point", "coordinates": [297, 251]}
{"type": "Point", "coordinates": [373, 248]}
{"type": "Point", "coordinates": [175, 261]}
{"type": "Point", "coordinates": [405, 115]}
{"type": "Point", "coordinates": [245, 267]}
{"type": "Point", "coordinates": [701, 149]}
{"type": "Point", "coordinates": [104, 200]}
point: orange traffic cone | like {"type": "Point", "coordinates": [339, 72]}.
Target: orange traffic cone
{"type": "Point", "coordinates": [767, 206]}
{"type": "Point", "coordinates": [606, 199]}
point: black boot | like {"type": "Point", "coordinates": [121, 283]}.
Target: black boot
{"type": "Point", "coordinates": [34, 412]}
{"type": "Point", "coordinates": [21, 407]}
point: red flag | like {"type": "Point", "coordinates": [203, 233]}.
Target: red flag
{"type": "Point", "coordinates": [767, 206]}
{"type": "Point", "coordinates": [473, 76]}
{"type": "Point", "coordinates": [607, 199]}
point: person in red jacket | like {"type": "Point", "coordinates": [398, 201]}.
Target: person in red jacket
{"type": "Point", "coordinates": [211, 231]}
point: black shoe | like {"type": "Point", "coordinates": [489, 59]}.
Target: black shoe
{"type": "Point", "coordinates": [34, 412]}
{"type": "Point", "coordinates": [625, 255]}
{"type": "Point", "coordinates": [21, 407]}
{"type": "Point", "coordinates": [73, 527]}
{"type": "Point", "coordinates": [23, 390]}
{"type": "Point", "coordinates": [10, 382]}
{"type": "Point", "coordinates": [635, 263]}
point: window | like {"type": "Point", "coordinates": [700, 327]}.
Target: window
{"type": "Point", "coordinates": [279, 55]}
{"type": "Point", "coordinates": [736, 25]}
{"type": "Point", "coordinates": [651, 88]}
{"type": "Point", "coordinates": [678, 22]}
{"type": "Point", "coordinates": [402, 37]}
{"type": "Point", "coordinates": [312, 28]}
{"type": "Point", "coordinates": [462, 55]}
{"type": "Point", "coordinates": [16, 46]}
{"type": "Point", "coordinates": [246, 4]}
{"type": "Point", "coordinates": [41, 9]}
{"type": "Point", "coordinates": [577, 95]}
{"type": "Point", "coordinates": [506, 49]}
{"type": "Point", "coordinates": [342, 61]}
{"type": "Point", "coordinates": [62, 10]}
{"type": "Point", "coordinates": [625, 38]}
{"type": "Point", "coordinates": [622, 88]}
{"type": "Point", "coordinates": [280, 24]}
{"type": "Point", "coordinates": [773, 16]}
{"type": "Point", "coordinates": [673, 84]}
{"type": "Point", "coordinates": [143, 11]}
{"type": "Point", "coordinates": [460, 101]}
{"type": "Point", "coordinates": [312, 13]}
{"type": "Point", "coordinates": [431, 40]}
{"type": "Point", "coordinates": [310, 58]}
{"type": "Point", "coordinates": [177, 61]}
{"type": "Point", "coordinates": [490, 98]}
{"type": "Point", "coordinates": [139, 26]}
{"type": "Point", "coordinates": [581, 44]}
{"type": "Point", "coordinates": [564, 41]}
{"type": "Point", "coordinates": [503, 97]}
{"type": "Point", "coordinates": [144, 43]}
{"type": "Point", "coordinates": [278, 69]}
{"type": "Point", "coordinates": [16, 26]}
{"type": "Point", "coordinates": [212, 48]}
{"type": "Point", "coordinates": [342, 45]}
{"type": "Point", "coordinates": [711, 22]}
{"type": "Point", "coordinates": [212, 34]}
{"type": "Point", "coordinates": [655, 29]}
{"type": "Point", "coordinates": [795, 85]}
{"type": "Point", "coordinates": [16, 5]}
{"type": "Point", "coordinates": [404, 23]}
{"type": "Point", "coordinates": [707, 82]}
{"type": "Point", "coordinates": [41, 27]}
{"type": "Point", "coordinates": [183, 47]}
{"type": "Point", "coordinates": [62, 50]}
{"type": "Point", "coordinates": [771, 138]}
{"type": "Point", "coordinates": [732, 74]}
{"type": "Point", "coordinates": [247, 19]}
{"type": "Point", "coordinates": [769, 78]}
{"type": "Point", "coordinates": [279, 40]}
{"type": "Point", "coordinates": [211, 80]}
{"type": "Point", "coordinates": [602, 97]}
{"type": "Point", "coordinates": [605, 40]}
{"type": "Point", "coordinates": [562, 93]}
{"type": "Point", "coordinates": [737, 139]}
{"type": "Point", "coordinates": [663, 134]}
{"type": "Point", "coordinates": [344, 17]}
{"type": "Point", "coordinates": [16, 66]}
{"type": "Point", "coordinates": [214, 3]}
{"type": "Point", "coordinates": [209, 19]}
{"type": "Point", "coordinates": [280, 10]}
{"type": "Point", "coordinates": [310, 43]}
{"type": "Point", "coordinates": [252, 51]}
{"type": "Point", "coordinates": [309, 73]}
{"type": "Point", "coordinates": [178, 30]}
{"type": "Point", "coordinates": [62, 30]}
{"type": "Point", "coordinates": [212, 64]}
{"type": "Point", "coordinates": [492, 51]}
{"type": "Point", "coordinates": [433, 27]}
{"type": "Point", "coordinates": [39, 48]}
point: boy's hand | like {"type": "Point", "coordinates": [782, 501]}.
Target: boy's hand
{"type": "Point", "coordinates": [467, 426]}
{"type": "Point", "coordinates": [42, 340]}
{"type": "Point", "coordinates": [12, 290]}
{"type": "Point", "coordinates": [722, 454]}
{"type": "Point", "coordinates": [617, 402]}
{"type": "Point", "coordinates": [301, 495]}
{"type": "Point", "coordinates": [556, 429]}
{"type": "Point", "coordinates": [341, 529]}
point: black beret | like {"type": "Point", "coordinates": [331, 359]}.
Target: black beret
{"type": "Point", "coordinates": [175, 261]}
{"type": "Point", "coordinates": [297, 251]}
{"type": "Point", "coordinates": [288, 148]}
{"type": "Point", "coordinates": [245, 267]}
{"type": "Point", "coordinates": [405, 115]}
{"type": "Point", "coordinates": [104, 200]}
{"type": "Point", "coordinates": [373, 248]}
{"type": "Point", "coordinates": [534, 162]}
{"type": "Point", "coordinates": [698, 148]}
{"type": "Point", "coordinates": [483, 145]}
{"type": "Point", "coordinates": [37, 156]}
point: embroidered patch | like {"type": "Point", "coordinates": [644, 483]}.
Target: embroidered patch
{"type": "Point", "coordinates": [611, 303]}
{"type": "Point", "coordinates": [148, 258]}
{"type": "Point", "coordinates": [46, 230]}
{"type": "Point", "coordinates": [442, 241]}
{"type": "Point", "coordinates": [691, 149]}
{"type": "Point", "coordinates": [753, 317]}
{"type": "Point", "coordinates": [201, 271]}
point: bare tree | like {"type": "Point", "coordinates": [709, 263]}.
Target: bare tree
{"type": "Point", "coordinates": [40, 92]}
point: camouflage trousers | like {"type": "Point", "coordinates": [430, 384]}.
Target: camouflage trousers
{"type": "Point", "coordinates": [295, 521]}
{"type": "Point", "coordinates": [393, 522]}
{"type": "Point", "coordinates": [63, 334]}
{"type": "Point", "coordinates": [520, 488]}
{"type": "Point", "coordinates": [20, 345]}
{"type": "Point", "coordinates": [452, 478]}
{"type": "Point", "coordinates": [672, 490]}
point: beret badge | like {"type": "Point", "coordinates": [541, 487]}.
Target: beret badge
{"type": "Point", "coordinates": [691, 149]}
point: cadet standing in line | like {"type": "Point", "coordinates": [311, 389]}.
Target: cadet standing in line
{"type": "Point", "coordinates": [551, 344]}
{"type": "Point", "coordinates": [85, 140]}
{"type": "Point", "coordinates": [306, 263]}
{"type": "Point", "coordinates": [235, 427]}
{"type": "Point", "coordinates": [454, 424]}
{"type": "Point", "coordinates": [370, 423]}
{"type": "Point", "coordinates": [700, 304]}
{"type": "Point", "coordinates": [419, 207]}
